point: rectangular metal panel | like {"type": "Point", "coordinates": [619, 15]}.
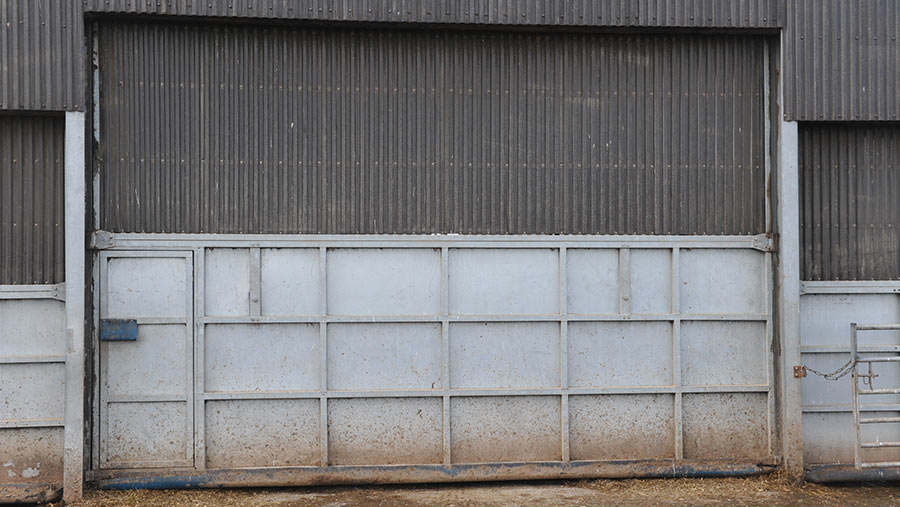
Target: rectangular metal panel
{"type": "Point", "coordinates": [504, 355]}
{"type": "Point", "coordinates": [41, 55]}
{"type": "Point", "coordinates": [384, 431]}
{"type": "Point", "coordinates": [634, 426]}
{"type": "Point", "coordinates": [262, 433]}
{"type": "Point", "coordinates": [725, 424]}
{"type": "Point", "coordinates": [33, 327]}
{"type": "Point", "coordinates": [620, 354]}
{"type": "Point", "coordinates": [238, 129]}
{"type": "Point", "coordinates": [649, 13]}
{"type": "Point", "coordinates": [31, 455]}
{"type": "Point", "coordinates": [841, 60]}
{"type": "Point", "coordinates": [31, 196]}
{"type": "Point", "coordinates": [32, 392]}
{"type": "Point", "coordinates": [256, 357]}
{"type": "Point", "coordinates": [116, 330]}
{"type": "Point", "coordinates": [849, 213]}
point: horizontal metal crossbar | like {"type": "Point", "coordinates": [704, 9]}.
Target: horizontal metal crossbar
{"type": "Point", "coordinates": [882, 464]}
{"type": "Point", "coordinates": [876, 420]}
{"type": "Point", "coordinates": [878, 445]}
{"type": "Point", "coordinates": [879, 391]}
{"type": "Point", "coordinates": [881, 359]}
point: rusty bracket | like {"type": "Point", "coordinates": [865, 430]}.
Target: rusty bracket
{"type": "Point", "coordinates": [799, 371]}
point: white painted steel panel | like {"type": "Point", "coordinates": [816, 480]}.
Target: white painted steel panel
{"type": "Point", "coordinates": [261, 357]}
{"type": "Point", "coordinates": [505, 428]}
{"type": "Point", "coordinates": [154, 364]}
{"type": "Point", "coordinates": [31, 455]}
{"type": "Point", "coordinates": [504, 281]}
{"type": "Point", "coordinates": [227, 277]}
{"type": "Point", "coordinates": [384, 431]}
{"type": "Point", "coordinates": [725, 425]}
{"type": "Point", "coordinates": [620, 354]}
{"type": "Point", "coordinates": [262, 433]}
{"type": "Point", "coordinates": [31, 327]}
{"type": "Point", "coordinates": [723, 353]}
{"type": "Point", "coordinates": [146, 287]}
{"type": "Point", "coordinates": [825, 318]}
{"type": "Point", "coordinates": [32, 391]}
{"type": "Point", "coordinates": [509, 354]}
{"type": "Point", "coordinates": [633, 426]}
{"type": "Point", "coordinates": [592, 278]}
{"type": "Point", "coordinates": [381, 281]}
{"type": "Point", "coordinates": [722, 281]}
{"type": "Point", "coordinates": [290, 281]}
{"type": "Point", "coordinates": [384, 356]}
{"type": "Point", "coordinates": [828, 437]}
{"type": "Point", "coordinates": [651, 281]}
{"type": "Point", "coordinates": [147, 432]}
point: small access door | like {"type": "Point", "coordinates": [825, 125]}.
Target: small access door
{"type": "Point", "coordinates": [146, 358]}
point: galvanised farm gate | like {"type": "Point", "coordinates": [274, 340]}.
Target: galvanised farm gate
{"type": "Point", "coordinates": [337, 242]}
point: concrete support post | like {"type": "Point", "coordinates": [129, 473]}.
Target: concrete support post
{"type": "Point", "coordinates": [73, 466]}
{"type": "Point", "coordinates": [788, 285]}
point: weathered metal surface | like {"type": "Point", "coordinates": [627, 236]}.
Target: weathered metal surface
{"type": "Point", "coordinates": [606, 354]}
{"type": "Point", "coordinates": [850, 219]}
{"type": "Point", "coordinates": [407, 131]}
{"type": "Point", "coordinates": [112, 330]}
{"type": "Point", "coordinates": [828, 429]}
{"type": "Point", "coordinates": [725, 424]}
{"type": "Point", "coordinates": [429, 473]}
{"type": "Point", "coordinates": [384, 431]}
{"type": "Point", "coordinates": [41, 55]}
{"type": "Point", "coordinates": [31, 198]}
{"type": "Point", "coordinates": [626, 13]}
{"type": "Point", "coordinates": [262, 433]}
{"type": "Point", "coordinates": [32, 327]}
{"type": "Point", "coordinates": [603, 427]}
{"type": "Point", "coordinates": [505, 428]}
{"type": "Point", "coordinates": [32, 352]}
{"type": "Point", "coordinates": [840, 60]}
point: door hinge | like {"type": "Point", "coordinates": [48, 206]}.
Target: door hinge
{"type": "Point", "coordinates": [102, 240]}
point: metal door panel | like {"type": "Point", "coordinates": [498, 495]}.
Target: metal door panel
{"type": "Point", "coordinates": [146, 385]}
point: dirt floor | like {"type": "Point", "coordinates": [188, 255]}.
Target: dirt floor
{"type": "Point", "coordinates": [765, 490]}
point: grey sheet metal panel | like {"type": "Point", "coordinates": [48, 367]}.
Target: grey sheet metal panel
{"type": "Point", "coordinates": [849, 182]}
{"type": "Point", "coordinates": [41, 55]}
{"type": "Point", "coordinates": [277, 130]}
{"type": "Point", "coordinates": [841, 60]}
{"type": "Point", "coordinates": [662, 13]}
{"type": "Point", "coordinates": [31, 199]}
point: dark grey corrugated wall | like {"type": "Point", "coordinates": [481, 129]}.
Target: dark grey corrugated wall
{"type": "Point", "coordinates": [842, 60]}
{"type": "Point", "coordinates": [31, 199]}
{"type": "Point", "coordinates": [238, 129]}
{"type": "Point", "coordinates": [661, 13]}
{"type": "Point", "coordinates": [850, 180]}
{"type": "Point", "coordinates": [41, 55]}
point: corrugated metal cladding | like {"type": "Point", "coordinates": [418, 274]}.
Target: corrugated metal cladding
{"type": "Point", "coordinates": [31, 199]}
{"type": "Point", "coordinates": [239, 129]}
{"type": "Point", "coordinates": [41, 57]}
{"type": "Point", "coordinates": [850, 180]}
{"type": "Point", "coordinates": [842, 60]}
{"type": "Point", "coordinates": [663, 13]}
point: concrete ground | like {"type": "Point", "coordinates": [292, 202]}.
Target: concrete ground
{"type": "Point", "coordinates": [766, 490]}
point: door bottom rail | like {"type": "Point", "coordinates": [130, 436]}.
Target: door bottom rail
{"type": "Point", "coordinates": [417, 474]}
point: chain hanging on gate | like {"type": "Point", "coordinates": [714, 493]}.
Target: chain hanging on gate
{"type": "Point", "coordinates": [836, 374]}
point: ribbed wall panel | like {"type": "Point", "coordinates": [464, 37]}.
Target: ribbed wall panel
{"type": "Point", "coordinates": [850, 180]}
{"type": "Point", "coordinates": [661, 13]}
{"type": "Point", "coordinates": [41, 55]}
{"type": "Point", "coordinates": [31, 199]}
{"type": "Point", "coordinates": [253, 130]}
{"type": "Point", "coordinates": [842, 60]}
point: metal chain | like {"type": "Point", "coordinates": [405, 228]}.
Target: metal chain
{"type": "Point", "coordinates": [836, 374]}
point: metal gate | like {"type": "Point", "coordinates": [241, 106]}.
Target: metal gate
{"type": "Point", "coordinates": [332, 358]}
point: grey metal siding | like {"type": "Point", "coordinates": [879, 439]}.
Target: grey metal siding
{"type": "Point", "coordinates": [627, 13]}
{"type": "Point", "coordinates": [265, 130]}
{"type": "Point", "coordinates": [842, 60]}
{"type": "Point", "coordinates": [41, 55]}
{"type": "Point", "coordinates": [850, 216]}
{"type": "Point", "coordinates": [31, 199]}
